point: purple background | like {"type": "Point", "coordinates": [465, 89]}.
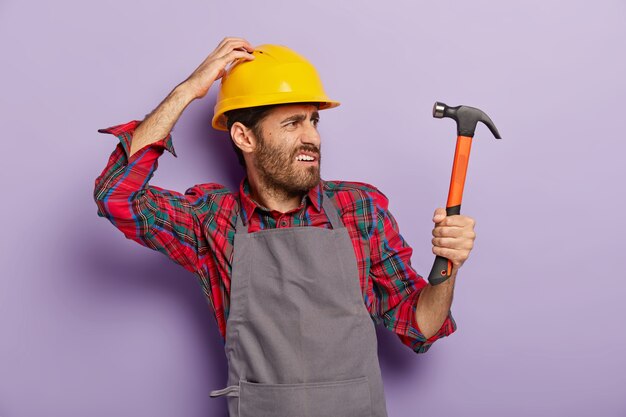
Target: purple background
{"type": "Point", "coordinates": [92, 324]}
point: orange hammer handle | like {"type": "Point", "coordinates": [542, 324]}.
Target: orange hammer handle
{"type": "Point", "coordinates": [442, 268]}
{"type": "Point", "coordinates": [459, 170]}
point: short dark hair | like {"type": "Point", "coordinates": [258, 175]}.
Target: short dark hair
{"type": "Point", "coordinates": [251, 118]}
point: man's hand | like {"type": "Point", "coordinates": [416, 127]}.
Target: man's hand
{"type": "Point", "coordinates": [161, 120]}
{"type": "Point", "coordinates": [453, 237]}
{"type": "Point", "coordinates": [214, 66]}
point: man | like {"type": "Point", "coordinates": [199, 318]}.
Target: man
{"type": "Point", "coordinates": [297, 269]}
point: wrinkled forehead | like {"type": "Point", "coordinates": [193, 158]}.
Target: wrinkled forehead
{"type": "Point", "coordinates": [291, 109]}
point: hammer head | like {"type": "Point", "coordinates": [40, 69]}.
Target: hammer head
{"type": "Point", "coordinates": [466, 118]}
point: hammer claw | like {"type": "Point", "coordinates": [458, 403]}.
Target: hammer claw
{"type": "Point", "coordinates": [487, 121]}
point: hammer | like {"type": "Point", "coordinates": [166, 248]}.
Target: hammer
{"type": "Point", "coordinates": [466, 119]}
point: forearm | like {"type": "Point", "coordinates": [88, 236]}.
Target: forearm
{"type": "Point", "coordinates": [162, 119]}
{"type": "Point", "coordinates": [434, 305]}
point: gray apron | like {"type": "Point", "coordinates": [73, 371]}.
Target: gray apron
{"type": "Point", "coordinates": [299, 339]}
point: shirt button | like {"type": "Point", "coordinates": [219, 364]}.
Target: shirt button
{"type": "Point", "coordinates": [283, 223]}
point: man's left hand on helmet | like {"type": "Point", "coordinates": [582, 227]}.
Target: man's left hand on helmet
{"type": "Point", "coordinates": [214, 66]}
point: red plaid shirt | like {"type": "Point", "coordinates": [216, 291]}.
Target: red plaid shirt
{"type": "Point", "coordinates": [197, 229]}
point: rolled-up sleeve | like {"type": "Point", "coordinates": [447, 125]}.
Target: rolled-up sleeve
{"type": "Point", "coordinates": [159, 219]}
{"type": "Point", "coordinates": [397, 285]}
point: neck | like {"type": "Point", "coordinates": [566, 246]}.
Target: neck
{"type": "Point", "coordinates": [272, 198]}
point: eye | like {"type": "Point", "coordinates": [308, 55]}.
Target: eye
{"type": "Point", "coordinates": [315, 121]}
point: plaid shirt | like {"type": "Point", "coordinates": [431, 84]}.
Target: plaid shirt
{"type": "Point", "coordinates": [197, 229]}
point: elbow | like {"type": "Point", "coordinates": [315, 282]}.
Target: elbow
{"type": "Point", "coordinates": [429, 332]}
{"type": "Point", "coordinates": [101, 194]}
{"type": "Point", "coordinates": [98, 197]}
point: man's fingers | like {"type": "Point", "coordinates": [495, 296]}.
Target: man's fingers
{"type": "Point", "coordinates": [229, 44]}
{"type": "Point", "coordinates": [447, 231]}
{"type": "Point", "coordinates": [453, 243]}
{"type": "Point", "coordinates": [215, 64]}
{"type": "Point", "coordinates": [248, 46]}
{"type": "Point", "coordinates": [457, 257]}
{"type": "Point", "coordinates": [447, 253]}
{"type": "Point", "coordinates": [458, 220]}
{"type": "Point", "coordinates": [222, 63]}
{"type": "Point", "coordinates": [232, 56]}
{"type": "Point", "coordinates": [230, 39]}
{"type": "Point", "coordinates": [236, 54]}
{"type": "Point", "coordinates": [453, 236]}
{"type": "Point", "coordinates": [455, 232]}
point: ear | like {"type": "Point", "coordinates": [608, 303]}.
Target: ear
{"type": "Point", "coordinates": [243, 138]}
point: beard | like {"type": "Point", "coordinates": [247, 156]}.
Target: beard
{"type": "Point", "coordinates": [278, 170]}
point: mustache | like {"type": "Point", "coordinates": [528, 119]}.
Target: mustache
{"type": "Point", "coordinates": [307, 148]}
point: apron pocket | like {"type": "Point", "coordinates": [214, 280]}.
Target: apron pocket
{"type": "Point", "coordinates": [348, 398]}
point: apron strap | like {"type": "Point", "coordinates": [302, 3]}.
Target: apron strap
{"type": "Point", "coordinates": [331, 212]}
{"type": "Point", "coordinates": [240, 227]}
{"type": "Point", "coordinates": [327, 205]}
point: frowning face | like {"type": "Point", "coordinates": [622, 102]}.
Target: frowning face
{"type": "Point", "coordinates": [287, 156]}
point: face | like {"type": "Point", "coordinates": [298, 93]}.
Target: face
{"type": "Point", "coordinates": [287, 156]}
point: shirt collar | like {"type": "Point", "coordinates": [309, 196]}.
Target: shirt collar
{"type": "Point", "coordinates": [248, 205]}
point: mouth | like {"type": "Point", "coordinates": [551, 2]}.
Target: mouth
{"type": "Point", "coordinates": [307, 158]}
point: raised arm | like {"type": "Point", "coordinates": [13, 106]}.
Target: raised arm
{"type": "Point", "coordinates": [163, 220]}
{"type": "Point", "coordinates": [160, 122]}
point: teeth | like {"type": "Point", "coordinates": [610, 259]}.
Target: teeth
{"type": "Point", "coordinates": [304, 158]}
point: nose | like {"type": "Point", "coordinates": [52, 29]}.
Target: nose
{"type": "Point", "coordinates": [310, 135]}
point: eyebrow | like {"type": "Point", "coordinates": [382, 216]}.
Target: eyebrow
{"type": "Point", "coordinates": [300, 117]}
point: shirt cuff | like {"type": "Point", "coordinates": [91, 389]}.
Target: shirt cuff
{"type": "Point", "coordinates": [414, 337]}
{"type": "Point", "coordinates": [125, 131]}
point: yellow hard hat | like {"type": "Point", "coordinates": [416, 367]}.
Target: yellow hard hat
{"type": "Point", "coordinates": [277, 75]}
